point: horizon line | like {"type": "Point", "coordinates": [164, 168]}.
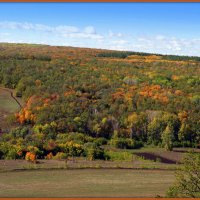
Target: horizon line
{"type": "Point", "coordinates": [131, 51]}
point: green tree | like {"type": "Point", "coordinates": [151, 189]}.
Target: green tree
{"type": "Point", "coordinates": [137, 123]}
{"type": "Point", "coordinates": [155, 128]}
{"type": "Point", "coordinates": [167, 138]}
{"type": "Point", "coordinates": [184, 133]}
{"type": "Point", "coordinates": [188, 178]}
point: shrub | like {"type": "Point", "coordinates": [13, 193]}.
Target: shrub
{"type": "Point", "coordinates": [60, 156]}
{"type": "Point", "coordinates": [75, 137]}
{"type": "Point", "coordinates": [119, 143]}
{"type": "Point", "coordinates": [92, 151]}
{"type": "Point", "coordinates": [12, 154]}
{"type": "Point", "coordinates": [50, 145]}
{"type": "Point", "coordinates": [33, 149]}
{"type": "Point", "coordinates": [49, 156]}
{"type": "Point", "coordinates": [71, 148]}
{"type": "Point", "coordinates": [19, 132]}
{"type": "Point", "coordinates": [118, 156]}
{"type": "Point", "coordinates": [125, 143]}
{"type": "Point", "coordinates": [30, 156]}
{"type": "Point", "coordinates": [183, 144]}
{"type": "Point", "coordinates": [9, 151]}
{"type": "Point", "coordinates": [100, 141]}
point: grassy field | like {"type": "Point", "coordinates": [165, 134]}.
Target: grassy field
{"type": "Point", "coordinates": [7, 103]}
{"type": "Point", "coordinates": [54, 178]}
{"type": "Point", "coordinates": [85, 183]}
{"type": "Point", "coordinates": [7, 106]}
{"type": "Point", "coordinates": [134, 176]}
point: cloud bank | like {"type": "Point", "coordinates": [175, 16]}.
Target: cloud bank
{"type": "Point", "coordinates": [88, 36]}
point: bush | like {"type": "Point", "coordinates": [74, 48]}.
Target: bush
{"type": "Point", "coordinates": [49, 156]}
{"type": "Point", "coordinates": [92, 151]}
{"type": "Point", "coordinates": [19, 132]}
{"type": "Point", "coordinates": [125, 143]}
{"type": "Point", "coordinates": [183, 144]}
{"type": "Point", "coordinates": [101, 141]}
{"type": "Point", "coordinates": [12, 154]}
{"type": "Point", "coordinates": [60, 156]}
{"type": "Point", "coordinates": [30, 157]}
{"type": "Point", "coordinates": [71, 148]}
{"type": "Point", "coordinates": [8, 151]}
{"type": "Point", "coordinates": [119, 143]}
{"type": "Point", "coordinates": [75, 137]}
{"type": "Point", "coordinates": [118, 156]}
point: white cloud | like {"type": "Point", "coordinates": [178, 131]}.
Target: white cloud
{"type": "Point", "coordinates": [89, 37]}
{"type": "Point", "coordinates": [162, 44]}
{"type": "Point", "coordinates": [119, 42]}
{"type": "Point", "coordinates": [112, 34]}
{"type": "Point", "coordinates": [4, 34]}
{"type": "Point", "coordinates": [83, 35]}
{"type": "Point", "coordinates": [24, 26]}
{"type": "Point", "coordinates": [160, 37]}
{"type": "Point", "coordinates": [168, 45]}
{"type": "Point", "coordinates": [90, 30]}
{"type": "Point", "coordinates": [63, 30]}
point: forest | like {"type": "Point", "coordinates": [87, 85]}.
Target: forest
{"type": "Point", "coordinates": [78, 100]}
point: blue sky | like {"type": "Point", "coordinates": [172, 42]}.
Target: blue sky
{"type": "Point", "coordinates": [168, 28]}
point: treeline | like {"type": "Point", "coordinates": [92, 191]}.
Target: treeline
{"type": "Point", "coordinates": [181, 58]}
{"type": "Point", "coordinates": [122, 54]}
{"type": "Point", "coordinates": [125, 54]}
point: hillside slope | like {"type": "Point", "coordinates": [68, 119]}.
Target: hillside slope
{"type": "Point", "coordinates": [78, 95]}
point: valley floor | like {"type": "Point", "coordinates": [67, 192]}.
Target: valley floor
{"type": "Point", "coordinates": [85, 183]}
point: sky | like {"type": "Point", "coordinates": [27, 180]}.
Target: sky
{"type": "Point", "coordinates": [166, 28]}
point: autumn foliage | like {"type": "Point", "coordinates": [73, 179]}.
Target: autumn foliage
{"type": "Point", "coordinates": [89, 94]}
{"type": "Point", "coordinates": [30, 157]}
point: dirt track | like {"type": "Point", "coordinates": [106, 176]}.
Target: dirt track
{"type": "Point", "coordinates": [9, 104]}
{"type": "Point", "coordinates": [12, 96]}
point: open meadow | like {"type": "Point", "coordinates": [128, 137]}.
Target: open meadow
{"type": "Point", "coordinates": [126, 175]}
{"type": "Point", "coordinates": [8, 105]}
{"type": "Point", "coordinates": [85, 183]}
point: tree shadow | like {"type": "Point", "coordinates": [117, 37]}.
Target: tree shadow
{"type": "Point", "coordinates": [154, 157]}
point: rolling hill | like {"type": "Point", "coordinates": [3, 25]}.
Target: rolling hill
{"type": "Point", "coordinates": [78, 99]}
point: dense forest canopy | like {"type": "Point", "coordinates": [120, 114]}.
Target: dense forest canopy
{"type": "Point", "coordinates": [79, 98]}
{"type": "Point", "coordinates": [125, 54]}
